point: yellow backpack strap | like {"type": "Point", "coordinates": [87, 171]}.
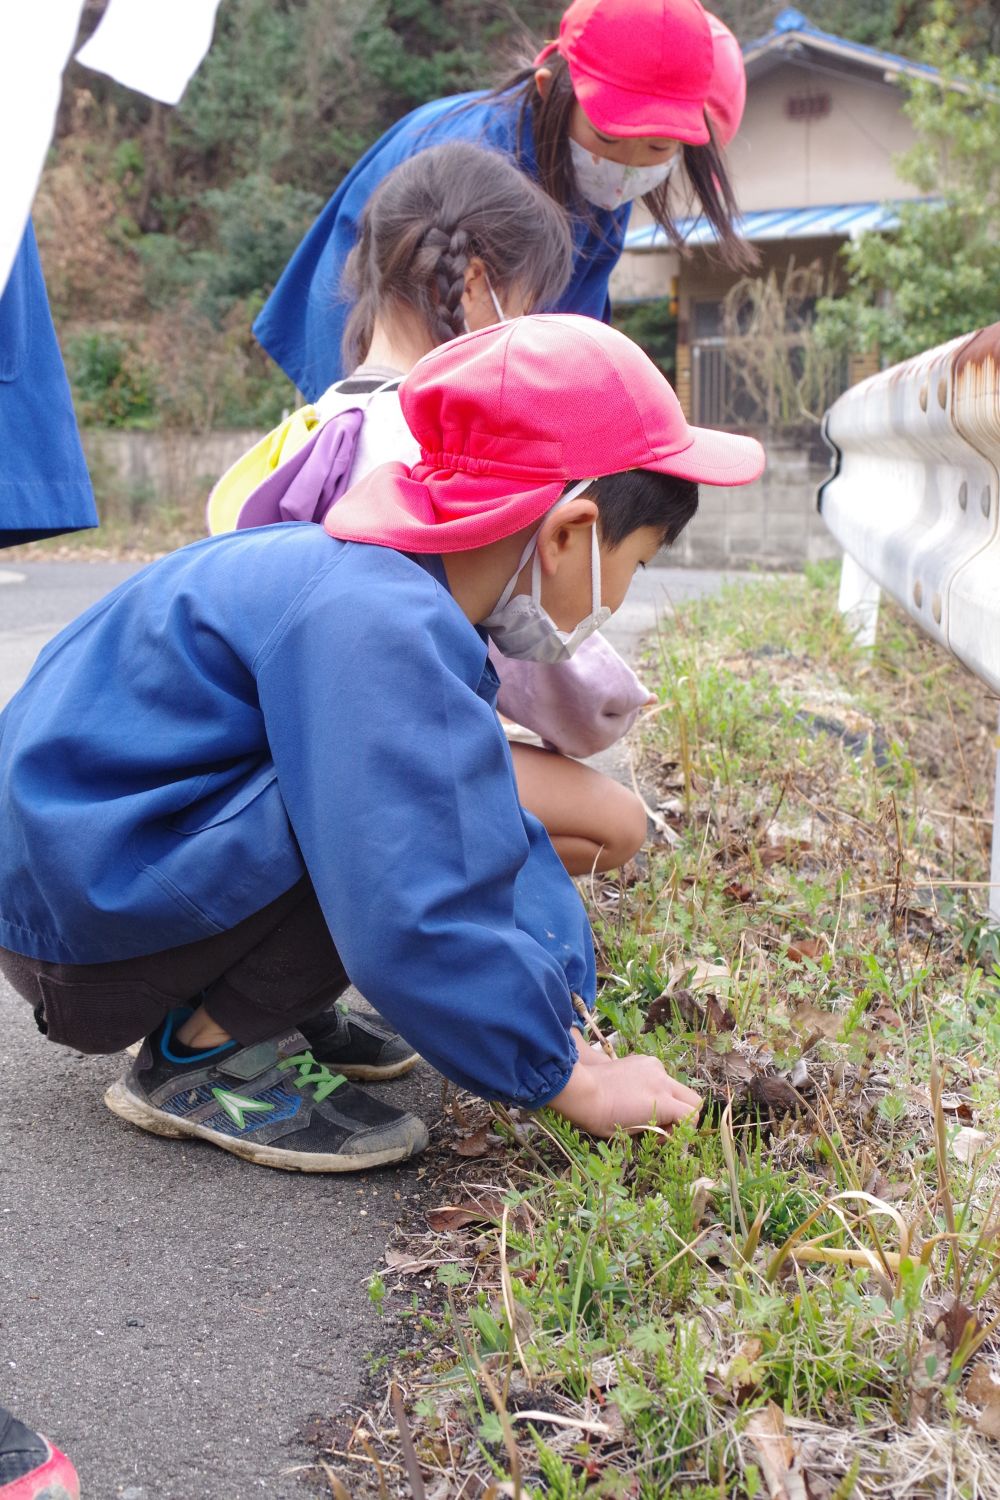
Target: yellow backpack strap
{"type": "Point", "coordinates": [257, 464]}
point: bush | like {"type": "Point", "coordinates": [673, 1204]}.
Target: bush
{"type": "Point", "coordinates": [112, 385]}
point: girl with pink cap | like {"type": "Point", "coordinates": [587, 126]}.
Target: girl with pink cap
{"type": "Point", "coordinates": [633, 96]}
{"type": "Point", "coordinates": [456, 238]}
{"type": "Point", "coordinates": [270, 763]}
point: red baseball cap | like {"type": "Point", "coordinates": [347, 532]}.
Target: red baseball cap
{"type": "Point", "coordinates": [639, 67]}
{"type": "Point", "coordinates": [507, 416]}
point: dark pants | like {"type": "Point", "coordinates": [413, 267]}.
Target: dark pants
{"type": "Point", "coordinates": [273, 970]}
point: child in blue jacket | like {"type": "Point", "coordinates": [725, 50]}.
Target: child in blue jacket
{"type": "Point", "coordinates": [631, 90]}
{"type": "Point", "coordinates": [270, 764]}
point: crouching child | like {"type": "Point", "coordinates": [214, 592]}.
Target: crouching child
{"type": "Point", "coordinates": [269, 765]}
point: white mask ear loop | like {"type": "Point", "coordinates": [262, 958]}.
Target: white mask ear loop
{"type": "Point", "coordinates": [595, 556]}
{"type": "Point", "coordinates": [536, 567]}
{"type": "Point", "coordinates": [501, 315]}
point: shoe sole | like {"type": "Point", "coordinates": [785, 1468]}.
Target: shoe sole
{"type": "Point", "coordinates": [128, 1106]}
{"type": "Point", "coordinates": [353, 1072]}
{"type": "Point", "coordinates": [374, 1072]}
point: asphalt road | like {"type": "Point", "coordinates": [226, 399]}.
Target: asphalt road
{"type": "Point", "coordinates": [171, 1315]}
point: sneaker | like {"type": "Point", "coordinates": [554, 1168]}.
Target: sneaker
{"type": "Point", "coordinates": [357, 1045]}
{"type": "Point", "coordinates": [272, 1103]}
{"type": "Point", "coordinates": [30, 1468]}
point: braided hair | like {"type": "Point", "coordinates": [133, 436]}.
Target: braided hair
{"type": "Point", "coordinates": [424, 224]}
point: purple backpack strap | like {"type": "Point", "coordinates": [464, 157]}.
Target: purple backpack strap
{"type": "Point", "coordinates": [304, 487]}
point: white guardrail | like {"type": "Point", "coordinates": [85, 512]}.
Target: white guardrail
{"type": "Point", "coordinates": [914, 500]}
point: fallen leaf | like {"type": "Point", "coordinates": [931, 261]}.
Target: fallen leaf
{"type": "Point", "coordinates": [803, 948]}
{"type": "Point", "coordinates": [738, 892]}
{"type": "Point", "coordinates": [406, 1265]}
{"type": "Point", "coordinates": [700, 1194]}
{"type": "Point", "coordinates": [695, 973]}
{"type": "Point", "coordinates": [811, 1018]}
{"type": "Point", "coordinates": [477, 1144]}
{"type": "Point", "coordinates": [487, 1208]}
{"type": "Point", "coordinates": [983, 1386]}
{"type": "Point", "coordinates": [779, 1462]}
{"type": "Point", "coordinates": [954, 1104]}
{"type": "Point", "coordinates": [787, 852]}
{"type": "Point", "coordinates": [988, 1421]}
{"type": "Point", "coordinates": [773, 1094]}
{"type": "Point", "coordinates": [708, 1015]}
{"type": "Point", "coordinates": [952, 1322]}
{"type": "Point", "coordinates": [968, 1144]}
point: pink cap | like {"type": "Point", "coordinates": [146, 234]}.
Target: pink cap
{"type": "Point", "coordinates": [507, 416]}
{"type": "Point", "coordinates": [639, 67]}
{"type": "Point", "coordinates": [727, 92]}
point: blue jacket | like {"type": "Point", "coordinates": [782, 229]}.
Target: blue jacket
{"type": "Point", "coordinates": [273, 701]}
{"type": "Point", "coordinates": [302, 322]}
{"type": "Point", "coordinates": [44, 485]}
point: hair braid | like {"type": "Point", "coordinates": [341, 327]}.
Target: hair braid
{"type": "Point", "coordinates": [423, 225]}
{"type": "Point", "coordinates": [454, 252]}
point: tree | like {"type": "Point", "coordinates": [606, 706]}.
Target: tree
{"type": "Point", "coordinates": [938, 274]}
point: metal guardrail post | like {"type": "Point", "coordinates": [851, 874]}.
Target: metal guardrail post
{"type": "Point", "coordinates": [914, 500]}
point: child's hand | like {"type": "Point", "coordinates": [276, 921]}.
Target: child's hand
{"type": "Point", "coordinates": [628, 1091]}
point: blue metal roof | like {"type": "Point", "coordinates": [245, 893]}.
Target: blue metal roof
{"type": "Point", "coordinates": [836, 221]}
{"type": "Point", "coordinates": [791, 26]}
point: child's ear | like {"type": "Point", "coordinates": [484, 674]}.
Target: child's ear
{"type": "Point", "coordinates": [543, 81]}
{"type": "Point", "coordinates": [562, 529]}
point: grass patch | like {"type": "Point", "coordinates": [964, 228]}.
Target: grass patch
{"type": "Point", "coordinates": [798, 1297]}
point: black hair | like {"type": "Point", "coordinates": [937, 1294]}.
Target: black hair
{"type": "Point", "coordinates": [424, 223]}
{"type": "Point", "coordinates": [639, 497]}
{"type": "Point", "coordinates": [550, 119]}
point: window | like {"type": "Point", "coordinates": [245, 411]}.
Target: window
{"type": "Point", "coordinates": [808, 106]}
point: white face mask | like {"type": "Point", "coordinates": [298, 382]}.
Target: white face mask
{"type": "Point", "coordinates": [609, 184]}
{"type": "Point", "coordinates": [521, 628]}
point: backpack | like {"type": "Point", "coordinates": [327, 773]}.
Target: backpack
{"type": "Point", "coordinates": [301, 468]}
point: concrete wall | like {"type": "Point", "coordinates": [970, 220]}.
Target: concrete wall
{"type": "Point", "coordinates": [161, 468]}
{"type": "Point", "coordinates": [771, 524]}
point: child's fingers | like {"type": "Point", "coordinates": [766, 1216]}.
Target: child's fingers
{"type": "Point", "coordinates": [684, 1094]}
{"type": "Point", "coordinates": [670, 1109]}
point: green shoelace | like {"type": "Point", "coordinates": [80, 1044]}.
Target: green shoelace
{"type": "Point", "coordinates": [315, 1075]}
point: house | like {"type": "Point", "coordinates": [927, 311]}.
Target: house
{"type": "Point", "coordinates": [813, 165]}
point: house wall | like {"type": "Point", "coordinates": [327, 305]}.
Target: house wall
{"type": "Point", "coordinates": [845, 156]}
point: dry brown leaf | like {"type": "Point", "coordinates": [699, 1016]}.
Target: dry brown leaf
{"type": "Point", "coordinates": [968, 1144]}
{"type": "Point", "coordinates": [954, 1104]}
{"type": "Point", "coordinates": [780, 1462]}
{"type": "Point", "coordinates": [706, 1014]}
{"type": "Point", "coordinates": [810, 1018]}
{"type": "Point", "coordinates": [952, 1322]}
{"type": "Point", "coordinates": [803, 948]}
{"type": "Point", "coordinates": [477, 1144]}
{"type": "Point", "coordinates": [406, 1264]}
{"type": "Point", "coordinates": [485, 1209]}
{"type": "Point", "coordinates": [736, 891]}
{"type": "Point", "coordinates": [773, 1094]}
{"type": "Point", "coordinates": [700, 1195]}
{"type": "Point", "coordinates": [983, 1385]}
{"type": "Point", "coordinates": [787, 852]}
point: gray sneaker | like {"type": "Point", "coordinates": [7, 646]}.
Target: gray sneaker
{"type": "Point", "coordinates": [272, 1103]}
{"type": "Point", "coordinates": [357, 1045]}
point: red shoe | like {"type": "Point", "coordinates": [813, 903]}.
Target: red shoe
{"type": "Point", "coordinates": [30, 1468]}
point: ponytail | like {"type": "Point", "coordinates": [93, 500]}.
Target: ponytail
{"type": "Point", "coordinates": [429, 218]}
